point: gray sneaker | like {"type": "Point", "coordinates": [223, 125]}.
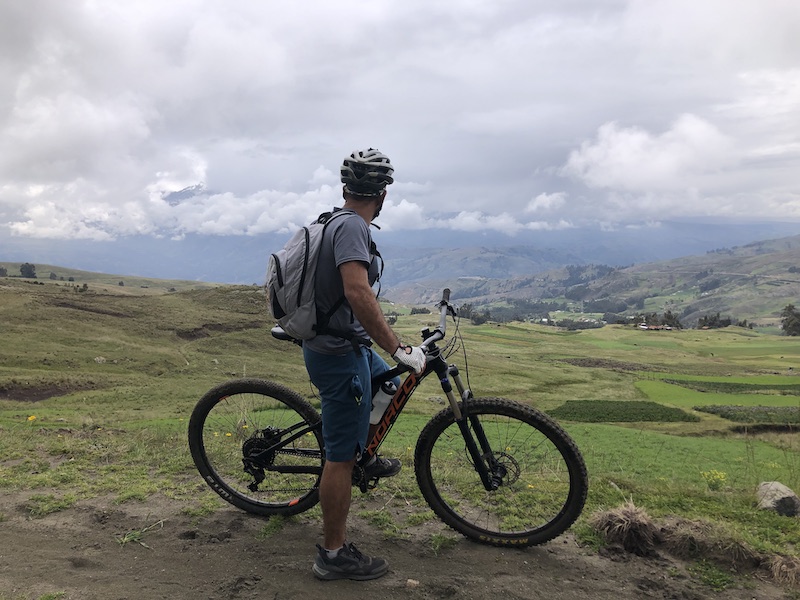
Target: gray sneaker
{"type": "Point", "coordinates": [348, 564]}
{"type": "Point", "coordinates": [382, 467]}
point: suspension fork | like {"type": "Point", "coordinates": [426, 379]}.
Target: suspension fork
{"type": "Point", "coordinates": [491, 474]}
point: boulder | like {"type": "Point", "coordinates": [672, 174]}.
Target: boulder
{"type": "Point", "coordinates": [773, 495]}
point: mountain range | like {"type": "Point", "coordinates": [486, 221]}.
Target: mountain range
{"type": "Point", "coordinates": [752, 282]}
{"type": "Point", "coordinates": [690, 268]}
{"type": "Point", "coordinates": [410, 255]}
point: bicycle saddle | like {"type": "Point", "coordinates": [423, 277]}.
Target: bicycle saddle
{"type": "Point", "coordinates": [280, 334]}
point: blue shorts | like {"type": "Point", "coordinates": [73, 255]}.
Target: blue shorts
{"type": "Point", "coordinates": [344, 382]}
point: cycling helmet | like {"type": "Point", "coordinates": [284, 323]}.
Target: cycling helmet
{"type": "Point", "coordinates": [366, 172]}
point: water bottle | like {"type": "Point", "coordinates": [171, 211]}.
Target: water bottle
{"type": "Point", "coordinates": [381, 400]}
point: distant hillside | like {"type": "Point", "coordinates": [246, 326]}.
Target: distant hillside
{"type": "Point", "coordinates": [473, 261]}
{"type": "Point", "coordinates": [410, 255]}
{"type": "Point", "coordinates": [121, 284]}
{"type": "Point", "coordinates": [752, 282]}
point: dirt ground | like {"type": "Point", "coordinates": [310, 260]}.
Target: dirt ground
{"type": "Point", "coordinates": [76, 554]}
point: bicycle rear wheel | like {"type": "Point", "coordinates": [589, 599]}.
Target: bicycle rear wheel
{"type": "Point", "coordinates": [258, 445]}
{"type": "Point", "coordinates": [542, 477]}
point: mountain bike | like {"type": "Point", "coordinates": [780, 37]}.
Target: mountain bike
{"type": "Point", "coordinates": [498, 471]}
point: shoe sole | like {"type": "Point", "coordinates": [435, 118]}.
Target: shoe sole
{"type": "Point", "coordinates": [383, 476]}
{"type": "Point", "coordinates": [326, 575]}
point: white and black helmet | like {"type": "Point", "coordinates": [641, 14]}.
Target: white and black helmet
{"type": "Point", "coordinates": [367, 172]}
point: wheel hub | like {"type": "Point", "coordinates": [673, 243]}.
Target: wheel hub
{"type": "Point", "coordinates": [504, 468]}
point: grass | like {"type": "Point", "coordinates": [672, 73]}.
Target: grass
{"type": "Point", "coordinates": [681, 396]}
{"type": "Point", "coordinates": [39, 505]}
{"type": "Point", "coordinates": [670, 475]}
{"type": "Point", "coordinates": [136, 536]}
{"type": "Point", "coordinates": [710, 575]}
{"type": "Point", "coordinates": [381, 519]}
{"type": "Point", "coordinates": [734, 387]}
{"type": "Point", "coordinates": [653, 461]}
{"type": "Point", "coordinates": [777, 415]}
{"type": "Point", "coordinates": [73, 427]}
{"type": "Point", "coordinates": [614, 411]}
{"type": "Point", "coordinates": [441, 542]}
{"type": "Point", "coordinates": [274, 526]}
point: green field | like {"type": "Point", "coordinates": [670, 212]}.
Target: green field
{"type": "Point", "coordinates": [96, 388]}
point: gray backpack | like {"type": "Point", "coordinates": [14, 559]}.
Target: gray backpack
{"type": "Point", "coordinates": [291, 277]}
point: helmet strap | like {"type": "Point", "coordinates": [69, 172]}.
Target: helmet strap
{"type": "Point", "coordinates": [380, 206]}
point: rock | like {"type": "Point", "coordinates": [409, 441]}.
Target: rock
{"type": "Point", "coordinates": [773, 495]}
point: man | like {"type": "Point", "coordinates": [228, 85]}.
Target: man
{"type": "Point", "coordinates": [341, 369]}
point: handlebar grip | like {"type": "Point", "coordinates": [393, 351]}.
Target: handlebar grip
{"type": "Point", "coordinates": [446, 295]}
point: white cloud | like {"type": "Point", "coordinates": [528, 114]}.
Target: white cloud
{"type": "Point", "coordinates": [549, 225]}
{"type": "Point", "coordinates": [323, 175]}
{"type": "Point", "coordinates": [633, 159]}
{"type": "Point", "coordinates": [403, 215]}
{"type": "Point", "coordinates": [546, 203]}
{"type": "Point", "coordinates": [626, 108]}
{"type": "Point", "coordinates": [503, 223]}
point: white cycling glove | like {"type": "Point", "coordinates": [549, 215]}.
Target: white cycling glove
{"type": "Point", "coordinates": [413, 357]}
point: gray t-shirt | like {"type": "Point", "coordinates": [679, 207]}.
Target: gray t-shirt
{"type": "Point", "coordinates": [347, 239]}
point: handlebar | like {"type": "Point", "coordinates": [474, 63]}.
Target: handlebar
{"type": "Point", "coordinates": [444, 308]}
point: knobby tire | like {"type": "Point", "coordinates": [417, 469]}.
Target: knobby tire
{"type": "Point", "coordinates": [244, 416]}
{"type": "Point", "coordinates": [544, 481]}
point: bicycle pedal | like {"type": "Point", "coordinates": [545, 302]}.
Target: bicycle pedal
{"type": "Point", "coordinates": [361, 482]}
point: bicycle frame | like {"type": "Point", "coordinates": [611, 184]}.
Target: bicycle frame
{"type": "Point", "coordinates": [435, 363]}
{"type": "Point", "coordinates": [490, 474]}
{"type": "Point", "coordinates": [490, 479]}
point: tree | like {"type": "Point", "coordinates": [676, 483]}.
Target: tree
{"type": "Point", "coordinates": [3, 272]}
{"type": "Point", "coordinates": [790, 320]}
{"type": "Point", "coordinates": [671, 320]}
{"type": "Point", "coordinates": [714, 322]}
{"type": "Point", "coordinates": [480, 319]}
{"type": "Point", "coordinates": [27, 270]}
{"type": "Point", "coordinates": [465, 310]}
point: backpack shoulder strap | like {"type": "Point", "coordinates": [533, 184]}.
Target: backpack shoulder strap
{"type": "Point", "coordinates": [328, 216]}
{"type": "Point", "coordinates": [323, 318]}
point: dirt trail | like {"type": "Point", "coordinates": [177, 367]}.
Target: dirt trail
{"type": "Point", "coordinates": [75, 552]}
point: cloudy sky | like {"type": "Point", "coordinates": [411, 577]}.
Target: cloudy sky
{"type": "Point", "coordinates": [507, 115]}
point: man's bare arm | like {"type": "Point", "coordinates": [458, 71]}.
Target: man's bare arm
{"type": "Point", "coordinates": [365, 306]}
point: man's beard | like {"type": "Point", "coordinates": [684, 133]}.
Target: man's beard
{"type": "Point", "coordinates": [378, 210]}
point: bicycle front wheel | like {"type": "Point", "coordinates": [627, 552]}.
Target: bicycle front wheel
{"type": "Point", "coordinates": [540, 475]}
{"type": "Point", "coordinates": [258, 445]}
